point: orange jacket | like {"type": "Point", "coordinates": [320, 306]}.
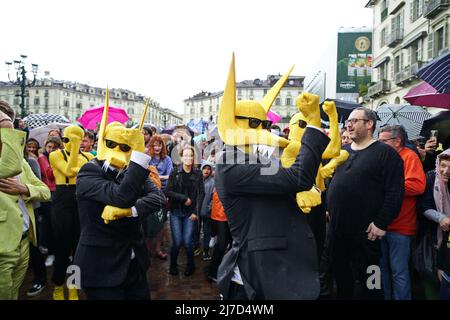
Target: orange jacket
{"type": "Point", "coordinates": [415, 183]}
{"type": "Point", "coordinates": [217, 210]}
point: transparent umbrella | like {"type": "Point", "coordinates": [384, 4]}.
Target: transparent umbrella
{"type": "Point", "coordinates": [410, 117]}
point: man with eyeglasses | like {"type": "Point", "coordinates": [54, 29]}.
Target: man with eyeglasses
{"type": "Point", "coordinates": [396, 245]}
{"type": "Point", "coordinates": [364, 197]}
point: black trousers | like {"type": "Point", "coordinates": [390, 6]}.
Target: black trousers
{"type": "Point", "coordinates": [45, 226]}
{"type": "Point", "coordinates": [317, 220]}
{"type": "Point", "coordinates": [37, 265]}
{"type": "Point", "coordinates": [37, 259]}
{"type": "Point", "coordinates": [135, 287]}
{"type": "Point", "coordinates": [224, 238]}
{"type": "Point", "coordinates": [351, 258]}
{"type": "Point", "coordinates": [237, 292]}
{"type": "Point", "coordinates": [66, 230]}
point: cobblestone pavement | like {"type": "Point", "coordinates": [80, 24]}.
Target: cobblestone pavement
{"type": "Point", "coordinates": [162, 285]}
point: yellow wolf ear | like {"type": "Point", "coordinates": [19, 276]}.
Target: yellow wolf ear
{"type": "Point", "coordinates": [228, 105]}
{"type": "Point", "coordinates": [141, 125]}
{"type": "Point", "coordinates": [270, 97]}
{"type": "Point", "coordinates": [103, 124]}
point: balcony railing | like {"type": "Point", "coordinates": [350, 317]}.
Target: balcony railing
{"type": "Point", "coordinates": [408, 74]}
{"type": "Point", "coordinates": [378, 89]}
{"type": "Point", "coordinates": [384, 14]}
{"type": "Point", "coordinates": [434, 7]}
{"type": "Point", "coordinates": [395, 37]}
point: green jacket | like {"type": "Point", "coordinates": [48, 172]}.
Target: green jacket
{"type": "Point", "coordinates": [11, 218]}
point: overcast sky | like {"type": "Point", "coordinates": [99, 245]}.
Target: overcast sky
{"type": "Point", "coordinates": [171, 50]}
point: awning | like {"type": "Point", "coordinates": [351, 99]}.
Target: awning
{"type": "Point", "coordinates": [384, 60]}
{"type": "Point", "coordinates": [414, 39]}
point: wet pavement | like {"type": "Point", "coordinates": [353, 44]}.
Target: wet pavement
{"type": "Point", "coordinates": [163, 286]}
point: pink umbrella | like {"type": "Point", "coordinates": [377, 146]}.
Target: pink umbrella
{"type": "Point", "coordinates": [427, 96]}
{"type": "Point", "coordinates": [273, 116]}
{"type": "Point", "coordinates": [93, 116]}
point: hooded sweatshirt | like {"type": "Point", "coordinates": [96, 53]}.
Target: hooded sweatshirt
{"type": "Point", "coordinates": [209, 189]}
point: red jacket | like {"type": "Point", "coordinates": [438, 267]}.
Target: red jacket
{"type": "Point", "coordinates": [46, 172]}
{"type": "Point", "coordinates": [415, 183]}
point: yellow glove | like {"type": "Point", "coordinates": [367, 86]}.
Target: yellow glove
{"type": "Point", "coordinates": [74, 138]}
{"type": "Point", "coordinates": [308, 199]}
{"type": "Point", "coordinates": [136, 139]}
{"type": "Point", "coordinates": [334, 147]}
{"type": "Point", "coordinates": [308, 104]}
{"type": "Point", "coordinates": [328, 170]}
{"type": "Point", "coordinates": [111, 213]}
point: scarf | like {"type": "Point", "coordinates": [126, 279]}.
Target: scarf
{"type": "Point", "coordinates": [441, 194]}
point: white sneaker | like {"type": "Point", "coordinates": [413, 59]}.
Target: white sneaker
{"type": "Point", "coordinates": [49, 260]}
{"type": "Point", "coordinates": [213, 241]}
{"type": "Point", "coordinates": [43, 250]}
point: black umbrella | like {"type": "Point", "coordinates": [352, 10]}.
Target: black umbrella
{"type": "Point", "coordinates": [437, 73]}
{"type": "Point", "coordinates": [439, 122]}
{"type": "Point", "coordinates": [344, 108]}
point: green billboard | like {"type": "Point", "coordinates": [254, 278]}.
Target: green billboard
{"type": "Point", "coordinates": [354, 62]}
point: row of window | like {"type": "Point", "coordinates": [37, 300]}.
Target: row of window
{"type": "Point", "coordinates": [251, 97]}
{"type": "Point", "coordinates": [278, 102]}
{"type": "Point", "coordinates": [413, 56]}
{"type": "Point", "coordinates": [415, 8]}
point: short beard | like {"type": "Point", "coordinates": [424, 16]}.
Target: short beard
{"type": "Point", "coordinates": [359, 137]}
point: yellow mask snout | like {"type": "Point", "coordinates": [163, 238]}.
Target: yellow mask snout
{"type": "Point", "coordinates": [118, 138]}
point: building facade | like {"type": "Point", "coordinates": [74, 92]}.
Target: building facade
{"type": "Point", "coordinates": [205, 105]}
{"type": "Point", "coordinates": [71, 99]}
{"type": "Point", "coordinates": [406, 35]}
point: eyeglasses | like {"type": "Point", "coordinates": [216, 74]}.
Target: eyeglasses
{"type": "Point", "coordinates": [65, 139]}
{"type": "Point", "coordinates": [112, 144]}
{"type": "Point", "coordinates": [302, 124]}
{"type": "Point", "coordinates": [254, 122]}
{"type": "Point", "coordinates": [384, 140]}
{"type": "Point", "coordinates": [353, 121]}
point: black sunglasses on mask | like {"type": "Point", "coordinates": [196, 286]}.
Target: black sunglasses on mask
{"type": "Point", "coordinates": [112, 144]}
{"type": "Point", "coordinates": [65, 139]}
{"type": "Point", "coordinates": [254, 122]}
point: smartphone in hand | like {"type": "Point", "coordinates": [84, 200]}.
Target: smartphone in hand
{"type": "Point", "coordinates": [434, 134]}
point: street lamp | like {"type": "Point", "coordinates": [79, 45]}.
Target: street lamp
{"type": "Point", "coordinates": [22, 81]}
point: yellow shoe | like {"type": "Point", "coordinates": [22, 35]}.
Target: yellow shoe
{"type": "Point", "coordinates": [58, 293]}
{"type": "Point", "coordinates": [73, 293]}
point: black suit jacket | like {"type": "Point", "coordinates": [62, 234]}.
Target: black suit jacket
{"type": "Point", "coordinates": [104, 250]}
{"type": "Point", "coordinates": [272, 242]}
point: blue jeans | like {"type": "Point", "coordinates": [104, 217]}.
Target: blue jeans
{"type": "Point", "coordinates": [394, 265]}
{"type": "Point", "coordinates": [182, 229]}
